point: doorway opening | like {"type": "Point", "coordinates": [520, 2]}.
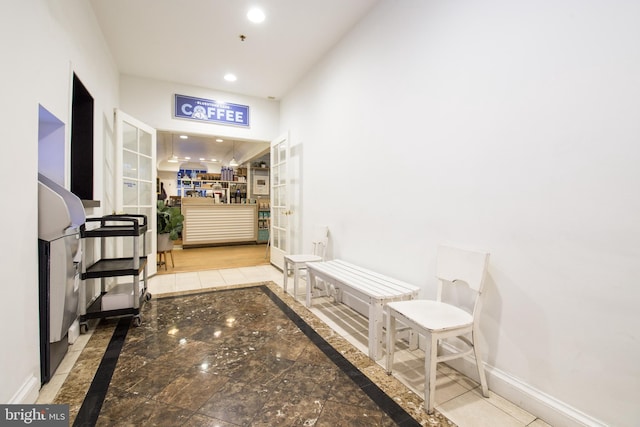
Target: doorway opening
{"type": "Point", "coordinates": [81, 141]}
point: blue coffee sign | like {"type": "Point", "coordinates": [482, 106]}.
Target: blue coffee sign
{"type": "Point", "coordinates": [208, 110]}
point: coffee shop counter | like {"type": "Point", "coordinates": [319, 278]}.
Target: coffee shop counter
{"type": "Point", "coordinates": [210, 223]}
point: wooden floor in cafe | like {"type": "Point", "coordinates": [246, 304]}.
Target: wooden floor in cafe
{"type": "Point", "coordinates": [214, 258]}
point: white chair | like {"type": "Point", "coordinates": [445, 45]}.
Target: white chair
{"type": "Point", "coordinates": [437, 320]}
{"type": "Point", "coordinates": [298, 263]}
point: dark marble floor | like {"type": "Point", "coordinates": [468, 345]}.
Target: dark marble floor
{"type": "Point", "coordinates": [238, 357]}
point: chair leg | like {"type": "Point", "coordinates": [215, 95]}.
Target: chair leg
{"type": "Point", "coordinates": [160, 261]}
{"type": "Point", "coordinates": [285, 271]}
{"type": "Point", "coordinates": [413, 340]}
{"type": "Point", "coordinates": [479, 364]}
{"type": "Point", "coordinates": [430, 366]}
{"type": "Point", "coordinates": [311, 283]}
{"type": "Point", "coordinates": [296, 279]}
{"type": "Point", "coordinates": [172, 264]}
{"type": "Point", "coordinates": [391, 339]}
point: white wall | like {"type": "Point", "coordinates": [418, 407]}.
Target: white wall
{"type": "Point", "coordinates": [509, 126]}
{"type": "Point", "coordinates": [152, 101]}
{"type": "Point", "coordinates": [168, 178]}
{"type": "Point", "coordinates": [42, 43]}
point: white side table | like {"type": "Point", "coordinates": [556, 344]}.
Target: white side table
{"type": "Point", "coordinates": [297, 263]}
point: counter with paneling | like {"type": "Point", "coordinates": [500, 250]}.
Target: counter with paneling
{"type": "Point", "coordinates": [208, 223]}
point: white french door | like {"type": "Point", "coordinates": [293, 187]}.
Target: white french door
{"type": "Point", "coordinates": [280, 201]}
{"type": "Point", "coordinates": [135, 190]}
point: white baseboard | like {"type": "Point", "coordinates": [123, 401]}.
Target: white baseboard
{"type": "Point", "coordinates": [28, 393]}
{"type": "Point", "coordinates": [532, 400]}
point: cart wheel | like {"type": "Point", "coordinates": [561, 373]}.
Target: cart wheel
{"type": "Point", "coordinates": [84, 328]}
{"type": "Point", "coordinates": [137, 321]}
{"type": "Point", "coordinates": [147, 297]}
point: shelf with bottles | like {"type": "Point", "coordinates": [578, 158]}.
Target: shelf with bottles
{"type": "Point", "coordinates": [264, 205]}
{"type": "Point", "coordinates": [264, 220]}
{"type": "Point", "coordinates": [228, 191]}
{"type": "Point", "coordinates": [185, 179]}
{"type": "Point", "coordinates": [194, 182]}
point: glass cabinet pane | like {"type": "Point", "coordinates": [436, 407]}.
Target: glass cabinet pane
{"type": "Point", "coordinates": [282, 218]}
{"type": "Point", "coordinates": [276, 238]}
{"type": "Point", "coordinates": [129, 192]}
{"type": "Point", "coordinates": [145, 168]}
{"type": "Point", "coordinates": [145, 143]}
{"type": "Point", "coordinates": [129, 164]}
{"type": "Point", "coordinates": [129, 137]}
{"type": "Point", "coordinates": [145, 191]}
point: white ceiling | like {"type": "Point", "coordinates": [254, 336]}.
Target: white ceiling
{"type": "Point", "coordinates": [207, 147]}
{"type": "Point", "coordinates": [196, 42]}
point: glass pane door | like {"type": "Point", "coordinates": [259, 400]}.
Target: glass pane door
{"type": "Point", "coordinates": [280, 235]}
{"type": "Point", "coordinates": [136, 193]}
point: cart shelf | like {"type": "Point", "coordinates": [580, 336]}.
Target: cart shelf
{"type": "Point", "coordinates": [113, 231]}
{"type": "Point", "coordinates": [115, 267]}
{"type": "Point", "coordinates": [95, 310]}
{"type": "Point", "coordinates": [112, 226]}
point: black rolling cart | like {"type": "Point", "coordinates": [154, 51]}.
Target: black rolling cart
{"type": "Point", "coordinates": [130, 297]}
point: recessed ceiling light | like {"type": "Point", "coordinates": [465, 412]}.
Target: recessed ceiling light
{"type": "Point", "coordinates": [187, 158]}
{"type": "Point", "coordinates": [255, 15]}
{"type": "Point", "coordinates": [184, 137]}
{"type": "Point", "coordinates": [219, 140]}
{"type": "Point", "coordinates": [201, 158]}
{"type": "Point", "coordinates": [214, 160]}
{"type": "Point", "coordinates": [230, 77]}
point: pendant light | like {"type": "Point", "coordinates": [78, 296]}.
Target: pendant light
{"type": "Point", "coordinates": [233, 162]}
{"type": "Point", "coordinates": [173, 158]}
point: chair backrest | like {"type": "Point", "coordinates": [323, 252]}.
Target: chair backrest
{"type": "Point", "coordinates": [456, 264]}
{"type": "Point", "coordinates": [319, 240]}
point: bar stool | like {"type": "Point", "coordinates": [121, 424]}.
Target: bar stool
{"type": "Point", "coordinates": [162, 254]}
{"type": "Point", "coordinates": [298, 262]}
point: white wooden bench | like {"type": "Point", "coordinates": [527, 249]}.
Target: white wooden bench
{"type": "Point", "coordinates": [363, 285]}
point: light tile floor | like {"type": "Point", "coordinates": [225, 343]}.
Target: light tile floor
{"type": "Point", "coordinates": [457, 397]}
